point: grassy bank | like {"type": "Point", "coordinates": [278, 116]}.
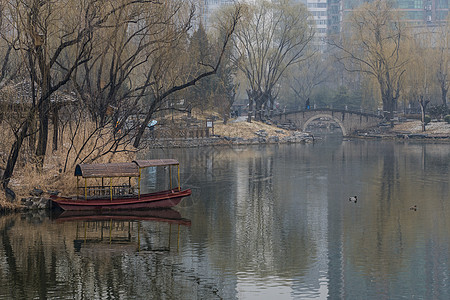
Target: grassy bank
{"type": "Point", "coordinates": [57, 172]}
{"type": "Point", "coordinates": [247, 130]}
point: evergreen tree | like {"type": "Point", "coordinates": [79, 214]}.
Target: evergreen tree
{"type": "Point", "coordinates": [199, 95]}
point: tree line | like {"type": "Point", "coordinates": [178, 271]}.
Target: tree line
{"type": "Point", "coordinates": [90, 66]}
{"type": "Point", "coordinates": [94, 73]}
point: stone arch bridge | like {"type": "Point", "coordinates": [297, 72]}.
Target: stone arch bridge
{"type": "Point", "coordinates": [348, 121]}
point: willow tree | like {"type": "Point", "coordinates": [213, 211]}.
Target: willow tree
{"type": "Point", "coordinates": [373, 42]}
{"type": "Point", "coordinates": [116, 85]}
{"type": "Point", "coordinates": [170, 72]}
{"type": "Point", "coordinates": [42, 33]}
{"type": "Point", "coordinates": [272, 37]}
{"type": "Point", "coordinates": [53, 39]}
{"type": "Point", "coordinates": [443, 60]}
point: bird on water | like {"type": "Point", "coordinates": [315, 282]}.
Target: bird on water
{"type": "Point", "coordinates": [353, 199]}
{"type": "Point", "coordinates": [414, 207]}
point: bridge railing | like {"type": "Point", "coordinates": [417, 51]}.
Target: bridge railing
{"type": "Point", "coordinates": [378, 113]}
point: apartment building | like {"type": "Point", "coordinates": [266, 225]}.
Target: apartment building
{"type": "Point", "coordinates": [417, 13]}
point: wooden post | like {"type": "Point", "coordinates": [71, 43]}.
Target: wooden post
{"type": "Point", "coordinates": [170, 176]}
{"type": "Point", "coordinates": [179, 183]}
{"type": "Point", "coordinates": [139, 184]}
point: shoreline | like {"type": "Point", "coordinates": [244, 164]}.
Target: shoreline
{"type": "Point", "coordinates": [410, 130]}
{"type": "Point", "coordinates": [260, 134]}
{"type": "Point", "coordinates": [217, 140]}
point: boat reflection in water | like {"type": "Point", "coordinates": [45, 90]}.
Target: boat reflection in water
{"type": "Point", "coordinates": [119, 231]}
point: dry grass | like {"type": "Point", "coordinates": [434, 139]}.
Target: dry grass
{"type": "Point", "coordinates": [247, 130]}
{"type": "Point", "coordinates": [241, 129]}
{"type": "Point", "coordinates": [5, 205]}
{"type": "Point", "coordinates": [437, 128]}
{"type": "Point", "coordinates": [52, 176]}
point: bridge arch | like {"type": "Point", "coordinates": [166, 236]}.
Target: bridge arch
{"type": "Point", "coordinates": [348, 121]}
{"type": "Point", "coordinates": [327, 116]}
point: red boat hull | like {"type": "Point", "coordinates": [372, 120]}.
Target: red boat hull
{"type": "Point", "coordinates": [163, 199]}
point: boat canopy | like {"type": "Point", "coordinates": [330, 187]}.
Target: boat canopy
{"type": "Point", "coordinates": [123, 169]}
{"type": "Point", "coordinates": [156, 162]}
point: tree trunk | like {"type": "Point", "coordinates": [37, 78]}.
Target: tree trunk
{"type": "Point", "coordinates": [43, 109]}
{"type": "Point", "coordinates": [43, 132]}
{"type": "Point", "coordinates": [388, 108]}
{"type": "Point", "coordinates": [250, 105]}
{"type": "Point", "coordinates": [423, 106]}
{"type": "Point", "coordinates": [55, 121]}
{"type": "Point", "coordinates": [258, 111]}
{"type": "Point", "coordinates": [141, 130]}
{"type": "Point", "coordinates": [32, 137]}
{"type": "Point", "coordinates": [444, 96]}
{"type": "Point", "coordinates": [261, 105]}
{"type": "Point", "coordinates": [14, 153]}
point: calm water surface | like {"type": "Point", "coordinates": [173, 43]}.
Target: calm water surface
{"type": "Point", "coordinates": [270, 222]}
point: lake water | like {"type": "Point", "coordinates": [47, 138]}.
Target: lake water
{"type": "Point", "coordinates": [269, 222]}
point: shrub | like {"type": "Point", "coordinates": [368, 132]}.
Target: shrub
{"type": "Point", "coordinates": [427, 119]}
{"type": "Point", "coordinates": [447, 119]}
{"type": "Point", "coordinates": [437, 111]}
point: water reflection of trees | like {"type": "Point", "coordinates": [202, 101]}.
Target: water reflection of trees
{"type": "Point", "coordinates": [378, 242]}
{"type": "Point", "coordinates": [40, 259]}
{"type": "Point", "coordinates": [284, 211]}
{"type": "Point", "coordinates": [246, 226]}
{"type": "Point", "coordinates": [387, 239]}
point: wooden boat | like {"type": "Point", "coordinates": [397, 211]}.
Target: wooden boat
{"type": "Point", "coordinates": [124, 196]}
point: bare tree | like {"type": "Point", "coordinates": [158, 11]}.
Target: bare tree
{"type": "Point", "coordinates": [115, 84]}
{"type": "Point", "coordinates": [168, 78]}
{"type": "Point", "coordinates": [303, 78]}
{"type": "Point", "coordinates": [272, 37]}
{"type": "Point", "coordinates": [53, 44]}
{"type": "Point", "coordinates": [373, 43]}
{"type": "Point", "coordinates": [443, 57]}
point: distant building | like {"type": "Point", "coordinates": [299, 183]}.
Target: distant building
{"type": "Point", "coordinates": [208, 7]}
{"type": "Point", "coordinates": [417, 13]}
{"type": "Point", "coordinates": [317, 8]}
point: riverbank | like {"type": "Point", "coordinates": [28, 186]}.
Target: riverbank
{"type": "Point", "coordinates": [411, 129]}
{"type": "Point", "coordinates": [239, 132]}
{"type": "Point", "coordinates": [32, 188]}
{"type": "Point", "coordinates": [236, 132]}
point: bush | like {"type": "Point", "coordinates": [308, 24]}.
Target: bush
{"type": "Point", "coordinates": [427, 119]}
{"type": "Point", "coordinates": [447, 119]}
{"type": "Point", "coordinates": [437, 111]}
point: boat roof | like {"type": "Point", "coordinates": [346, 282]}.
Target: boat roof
{"type": "Point", "coordinates": [156, 162]}
{"type": "Point", "coordinates": [122, 169]}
